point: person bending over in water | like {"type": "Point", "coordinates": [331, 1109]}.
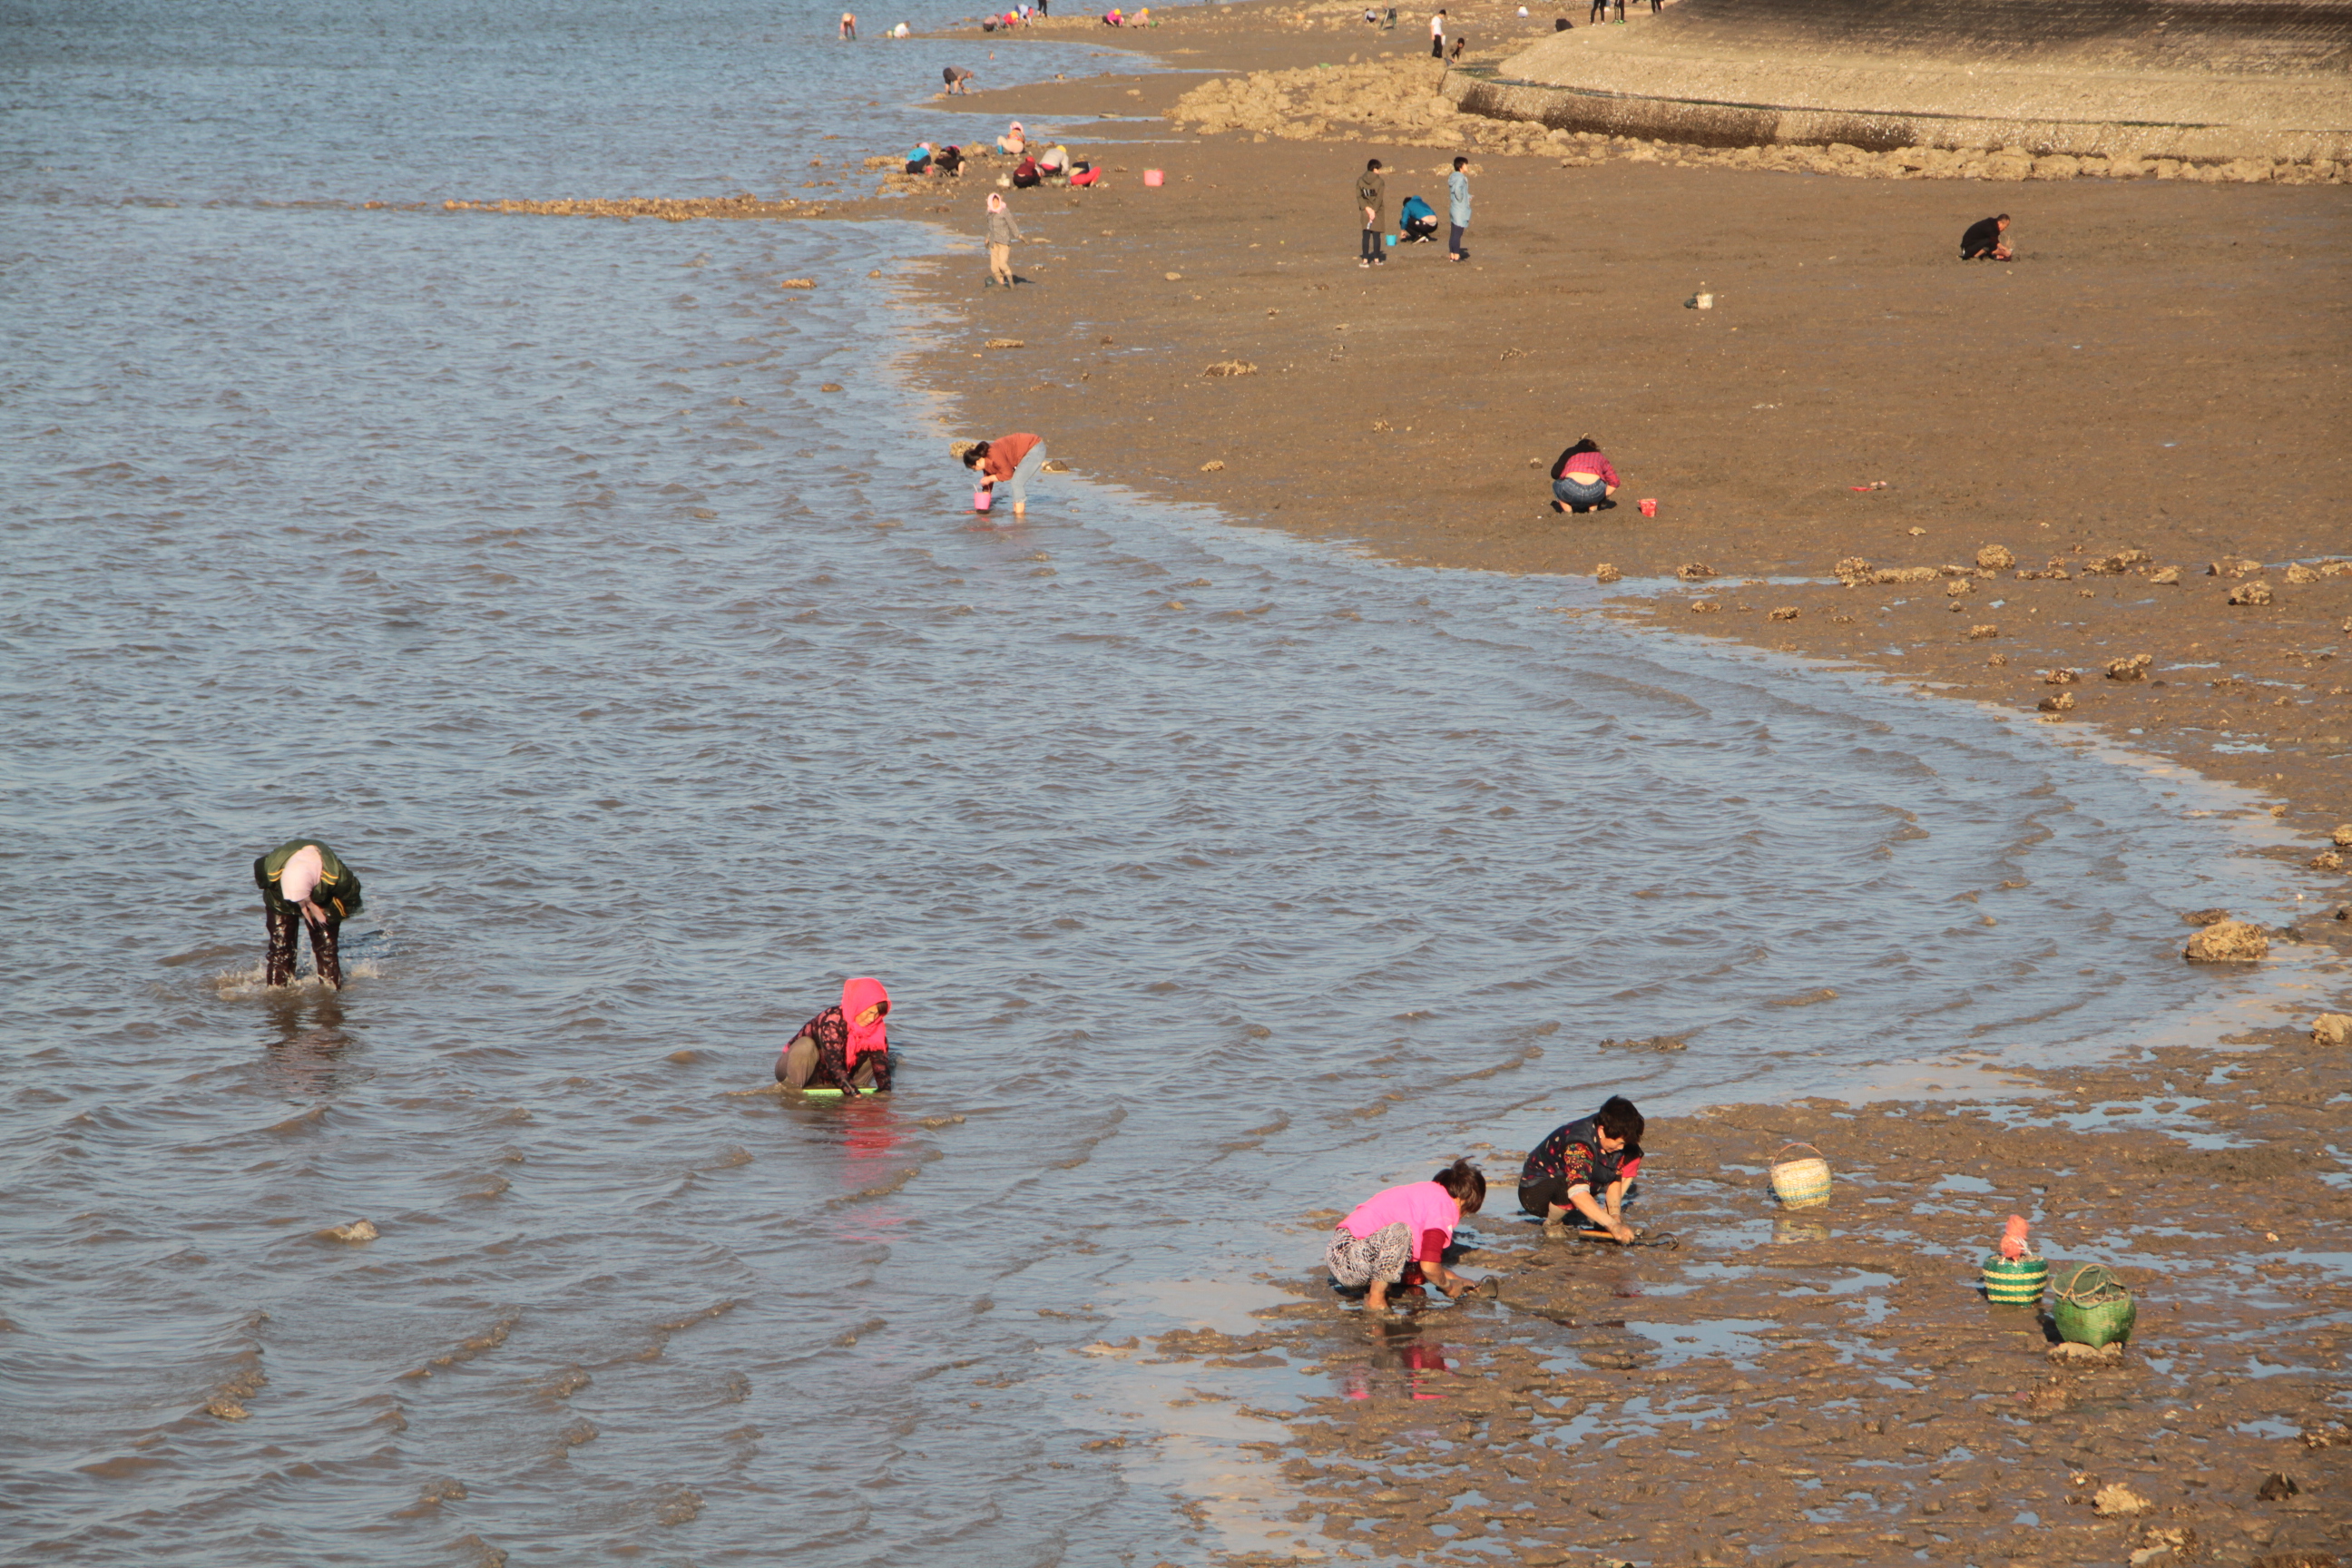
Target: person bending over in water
{"type": "Point", "coordinates": [1013, 459]}
{"type": "Point", "coordinates": [847, 1046]}
{"type": "Point", "coordinates": [1983, 241]}
{"type": "Point", "coordinates": [1401, 1232]}
{"type": "Point", "coordinates": [1582, 479]}
{"type": "Point", "coordinates": [303, 883]}
{"type": "Point", "coordinates": [1585, 1167]}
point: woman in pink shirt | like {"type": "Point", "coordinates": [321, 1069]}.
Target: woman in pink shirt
{"type": "Point", "coordinates": [1390, 1230]}
{"type": "Point", "coordinates": [1582, 479]}
{"type": "Point", "coordinates": [1009, 460]}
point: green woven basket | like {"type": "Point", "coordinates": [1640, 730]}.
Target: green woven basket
{"type": "Point", "coordinates": [2015, 1284]}
{"type": "Point", "coordinates": [1802, 1183]}
{"type": "Point", "coordinates": [2093, 1308]}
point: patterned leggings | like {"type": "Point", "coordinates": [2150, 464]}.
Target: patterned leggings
{"type": "Point", "coordinates": [1357, 1261]}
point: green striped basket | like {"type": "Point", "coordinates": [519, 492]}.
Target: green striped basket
{"type": "Point", "coordinates": [2092, 1307]}
{"type": "Point", "coordinates": [1802, 1183]}
{"type": "Point", "coordinates": [2015, 1283]}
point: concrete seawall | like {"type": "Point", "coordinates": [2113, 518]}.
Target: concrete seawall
{"type": "Point", "coordinates": [2203, 80]}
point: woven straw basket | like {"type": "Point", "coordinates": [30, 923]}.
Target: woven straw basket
{"type": "Point", "coordinates": [2092, 1307]}
{"type": "Point", "coordinates": [1802, 1183]}
{"type": "Point", "coordinates": [2017, 1283]}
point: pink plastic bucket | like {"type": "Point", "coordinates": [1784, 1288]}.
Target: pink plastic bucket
{"type": "Point", "coordinates": [1154, 177]}
{"type": "Point", "coordinates": [1649, 508]}
{"type": "Point", "coordinates": [983, 497]}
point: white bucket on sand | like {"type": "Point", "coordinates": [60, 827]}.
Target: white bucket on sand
{"type": "Point", "coordinates": [1706, 301]}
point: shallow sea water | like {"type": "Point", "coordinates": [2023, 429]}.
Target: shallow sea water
{"type": "Point", "coordinates": [652, 689]}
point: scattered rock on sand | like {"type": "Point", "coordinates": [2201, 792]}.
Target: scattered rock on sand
{"type": "Point", "coordinates": [1704, 606]}
{"type": "Point", "coordinates": [2206, 917]}
{"type": "Point", "coordinates": [2299, 573]}
{"type": "Point", "coordinates": [2169, 576]}
{"type": "Point", "coordinates": [1893, 575]}
{"type": "Point", "coordinates": [2232, 566]}
{"type": "Point", "coordinates": [2325, 860]}
{"type": "Point", "coordinates": [1694, 571]}
{"type": "Point", "coordinates": [2132, 669]}
{"type": "Point", "coordinates": [1958, 586]}
{"type": "Point", "coordinates": [1854, 569]}
{"type": "Point", "coordinates": [2061, 702]}
{"type": "Point", "coordinates": [796, 283]}
{"type": "Point", "coordinates": [2228, 941]}
{"type": "Point", "coordinates": [2070, 1351]}
{"type": "Point", "coordinates": [2277, 1486]}
{"type": "Point", "coordinates": [1785, 613]}
{"type": "Point", "coordinates": [1005, 343]}
{"type": "Point", "coordinates": [1055, 466]}
{"type": "Point", "coordinates": [1978, 634]}
{"type": "Point", "coordinates": [1173, 277]}
{"type": "Point", "coordinates": [1231, 367]}
{"type": "Point", "coordinates": [2118, 1499]}
{"type": "Point", "coordinates": [358, 1230]}
{"type": "Point", "coordinates": [2254, 593]}
{"type": "Point", "coordinates": [1996, 659]}
{"type": "Point", "coordinates": [1997, 557]}
{"type": "Point", "coordinates": [2062, 677]}
{"type": "Point", "coordinates": [2343, 836]}
{"type": "Point", "coordinates": [1213, 466]}
{"type": "Point", "coordinates": [2332, 1029]}
{"type": "Point", "coordinates": [1605, 573]}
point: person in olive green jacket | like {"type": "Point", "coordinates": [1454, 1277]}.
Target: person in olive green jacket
{"type": "Point", "coordinates": [303, 882]}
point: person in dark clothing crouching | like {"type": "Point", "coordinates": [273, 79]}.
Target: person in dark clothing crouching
{"type": "Point", "coordinates": [1983, 241]}
{"type": "Point", "coordinates": [1584, 1168]}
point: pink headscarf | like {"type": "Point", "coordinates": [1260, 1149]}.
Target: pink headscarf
{"type": "Point", "coordinates": [858, 994]}
{"type": "Point", "coordinates": [995, 202]}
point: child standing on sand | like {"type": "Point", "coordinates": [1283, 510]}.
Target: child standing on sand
{"type": "Point", "coordinates": [1397, 1227]}
{"type": "Point", "coordinates": [1002, 232]}
{"type": "Point", "coordinates": [1371, 200]}
{"type": "Point", "coordinates": [1585, 1168]}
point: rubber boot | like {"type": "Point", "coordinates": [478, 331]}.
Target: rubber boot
{"type": "Point", "coordinates": [325, 956]}
{"type": "Point", "coordinates": [278, 967]}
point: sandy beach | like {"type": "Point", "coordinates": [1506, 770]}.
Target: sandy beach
{"type": "Point", "coordinates": [1996, 482]}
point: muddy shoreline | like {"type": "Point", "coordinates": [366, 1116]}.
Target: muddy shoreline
{"type": "Point", "coordinates": [1826, 1385]}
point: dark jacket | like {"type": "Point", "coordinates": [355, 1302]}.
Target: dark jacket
{"type": "Point", "coordinates": [338, 891]}
{"type": "Point", "coordinates": [1982, 238]}
{"type": "Point", "coordinates": [1372, 192]}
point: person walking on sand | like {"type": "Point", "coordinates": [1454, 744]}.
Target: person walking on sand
{"type": "Point", "coordinates": [847, 1046]}
{"type": "Point", "coordinates": [1457, 209]}
{"type": "Point", "coordinates": [303, 882]}
{"type": "Point", "coordinates": [1582, 479]}
{"type": "Point", "coordinates": [1397, 1236]}
{"type": "Point", "coordinates": [1002, 232]}
{"type": "Point", "coordinates": [1437, 37]}
{"type": "Point", "coordinates": [849, 26]}
{"type": "Point", "coordinates": [1983, 241]}
{"type": "Point", "coordinates": [1011, 459]}
{"type": "Point", "coordinates": [1371, 200]}
{"type": "Point", "coordinates": [1585, 1168]}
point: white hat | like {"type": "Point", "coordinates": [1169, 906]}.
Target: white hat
{"type": "Point", "coordinates": [301, 874]}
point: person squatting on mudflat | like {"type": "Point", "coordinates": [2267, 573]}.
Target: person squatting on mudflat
{"type": "Point", "coordinates": [303, 882]}
{"type": "Point", "coordinates": [847, 1046]}
{"type": "Point", "coordinates": [1416, 222]}
{"type": "Point", "coordinates": [1983, 241]}
{"type": "Point", "coordinates": [1371, 200]}
{"type": "Point", "coordinates": [1002, 232]}
{"type": "Point", "coordinates": [1012, 459]}
{"type": "Point", "coordinates": [1397, 1236]}
{"type": "Point", "coordinates": [1582, 478]}
{"type": "Point", "coordinates": [1601, 1153]}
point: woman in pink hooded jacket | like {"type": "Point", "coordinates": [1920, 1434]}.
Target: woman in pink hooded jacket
{"type": "Point", "coordinates": [847, 1046]}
